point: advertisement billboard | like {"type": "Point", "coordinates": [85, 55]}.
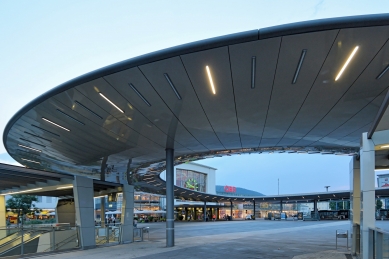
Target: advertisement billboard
{"type": "Point", "coordinates": [383, 181]}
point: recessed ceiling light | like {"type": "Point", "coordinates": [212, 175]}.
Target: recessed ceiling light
{"type": "Point", "coordinates": [65, 187]}
{"type": "Point", "coordinates": [385, 146]}
{"type": "Point", "coordinates": [299, 65]}
{"type": "Point", "coordinates": [34, 149]}
{"type": "Point", "coordinates": [210, 80]}
{"type": "Point", "coordinates": [32, 161]}
{"type": "Point", "coordinates": [45, 130]}
{"type": "Point", "coordinates": [32, 142]}
{"type": "Point", "coordinates": [59, 126]}
{"type": "Point", "coordinates": [87, 109]}
{"type": "Point", "coordinates": [71, 117]}
{"type": "Point", "coordinates": [253, 65]}
{"type": "Point", "coordinates": [383, 72]}
{"type": "Point", "coordinates": [139, 94]}
{"type": "Point", "coordinates": [172, 86]}
{"type": "Point", "coordinates": [31, 190]}
{"type": "Point", "coordinates": [108, 100]}
{"type": "Point", "coordinates": [347, 62]}
{"type": "Point", "coordinates": [37, 136]}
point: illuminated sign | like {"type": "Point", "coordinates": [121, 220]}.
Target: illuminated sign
{"type": "Point", "coordinates": [229, 188]}
{"type": "Point", "coordinates": [383, 181]}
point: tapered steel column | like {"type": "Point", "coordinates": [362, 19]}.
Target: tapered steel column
{"type": "Point", "coordinates": [169, 197]}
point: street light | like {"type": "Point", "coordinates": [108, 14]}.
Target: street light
{"type": "Point", "coordinates": [327, 187]}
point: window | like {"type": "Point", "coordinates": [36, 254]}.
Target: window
{"type": "Point", "coordinates": [39, 198]}
{"type": "Point", "coordinates": [191, 180]}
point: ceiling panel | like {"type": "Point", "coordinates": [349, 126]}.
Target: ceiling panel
{"type": "Point", "coordinates": [158, 113]}
{"type": "Point", "coordinates": [131, 118]}
{"type": "Point", "coordinates": [219, 107]}
{"type": "Point", "coordinates": [188, 110]}
{"type": "Point", "coordinates": [328, 94]}
{"type": "Point", "coordinates": [360, 119]}
{"type": "Point", "coordinates": [252, 103]}
{"type": "Point", "coordinates": [287, 98]}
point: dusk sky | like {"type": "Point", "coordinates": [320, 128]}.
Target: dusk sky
{"type": "Point", "coordinates": [46, 43]}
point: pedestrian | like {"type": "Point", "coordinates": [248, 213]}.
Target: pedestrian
{"type": "Point", "coordinates": [113, 220]}
{"type": "Point", "coordinates": [135, 222]}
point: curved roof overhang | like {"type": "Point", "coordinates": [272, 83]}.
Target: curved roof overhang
{"type": "Point", "coordinates": [275, 92]}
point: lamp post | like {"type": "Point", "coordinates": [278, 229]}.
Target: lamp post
{"type": "Point", "coordinates": [327, 186]}
{"type": "Point", "coordinates": [278, 186]}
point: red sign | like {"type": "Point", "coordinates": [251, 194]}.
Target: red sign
{"type": "Point", "coordinates": [229, 188]}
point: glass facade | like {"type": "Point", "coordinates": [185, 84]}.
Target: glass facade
{"type": "Point", "coordinates": [191, 180]}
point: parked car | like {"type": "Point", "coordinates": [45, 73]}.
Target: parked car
{"type": "Point", "coordinates": [249, 217]}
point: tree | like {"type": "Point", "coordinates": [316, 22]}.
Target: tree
{"type": "Point", "coordinates": [378, 204]}
{"type": "Point", "coordinates": [22, 204]}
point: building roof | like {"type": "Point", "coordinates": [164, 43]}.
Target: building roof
{"type": "Point", "coordinates": [276, 90]}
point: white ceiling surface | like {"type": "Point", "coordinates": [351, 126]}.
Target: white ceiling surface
{"type": "Point", "coordinates": [315, 112]}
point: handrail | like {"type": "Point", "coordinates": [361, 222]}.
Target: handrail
{"type": "Point", "coordinates": [379, 230]}
{"type": "Point", "coordinates": [62, 243]}
{"type": "Point", "coordinates": [26, 233]}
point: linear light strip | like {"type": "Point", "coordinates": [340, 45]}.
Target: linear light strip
{"type": "Point", "coordinates": [139, 94]}
{"type": "Point", "coordinates": [45, 130]}
{"type": "Point", "coordinates": [65, 187]}
{"type": "Point", "coordinates": [67, 115]}
{"type": "Point", "coordinates": [108, 100]}
{"type": "Point", "coordinates": [296, 74]}
{"type": "Point", "coordinates": [210, 79]}
{"type": "Point", "coordinates": [172, 86]}
{"type": "Point", "coordinates": [89, 110]}
{"type": "Point", "coordinates": [253, 65]}
{"type": "Point", "coordinates": [37, 136]}
{"type": "Point", "coordinates": [32, 161]}
{"type": "Point", "coordinates": [31, 190]}
{"type": "Point", "coordinates": [27, 152]}
{"type": "Point", "coordinates": [34, 149]}
{"type": "Point", "coordinates": [33, 142]}
{"type": "Point", "coordinates": [347, 62]}
{"type": "Point", "coordinates": [55, 124]}
{"type": "Point", "coordinates": [383, 72]}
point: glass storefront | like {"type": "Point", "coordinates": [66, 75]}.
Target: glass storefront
{"type": "Point", "coordinates": [191, 180]}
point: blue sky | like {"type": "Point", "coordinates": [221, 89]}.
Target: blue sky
{"type": "Point", "coordinates": [45, 43]}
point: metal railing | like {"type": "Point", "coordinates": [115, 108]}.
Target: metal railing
{"type": "Point", "coordinates": [378, 244]}
{"type": "Point", "coordinates": [27, 239]}
{"type": "Point", "coordinates": [113, 234]}
{"type": "Point", "coordinates": [108, 234]}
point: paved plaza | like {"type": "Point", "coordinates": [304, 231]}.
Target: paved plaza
{"type": "Point", "coordinates": [230, 239]}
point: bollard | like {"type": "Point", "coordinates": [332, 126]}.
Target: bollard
{"type": "Point", "coordinates": [53, 239]}
{"type": "Point", "coordinates": [22, 243]}
{"type": "Point", "coordinates": [107, 234]}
